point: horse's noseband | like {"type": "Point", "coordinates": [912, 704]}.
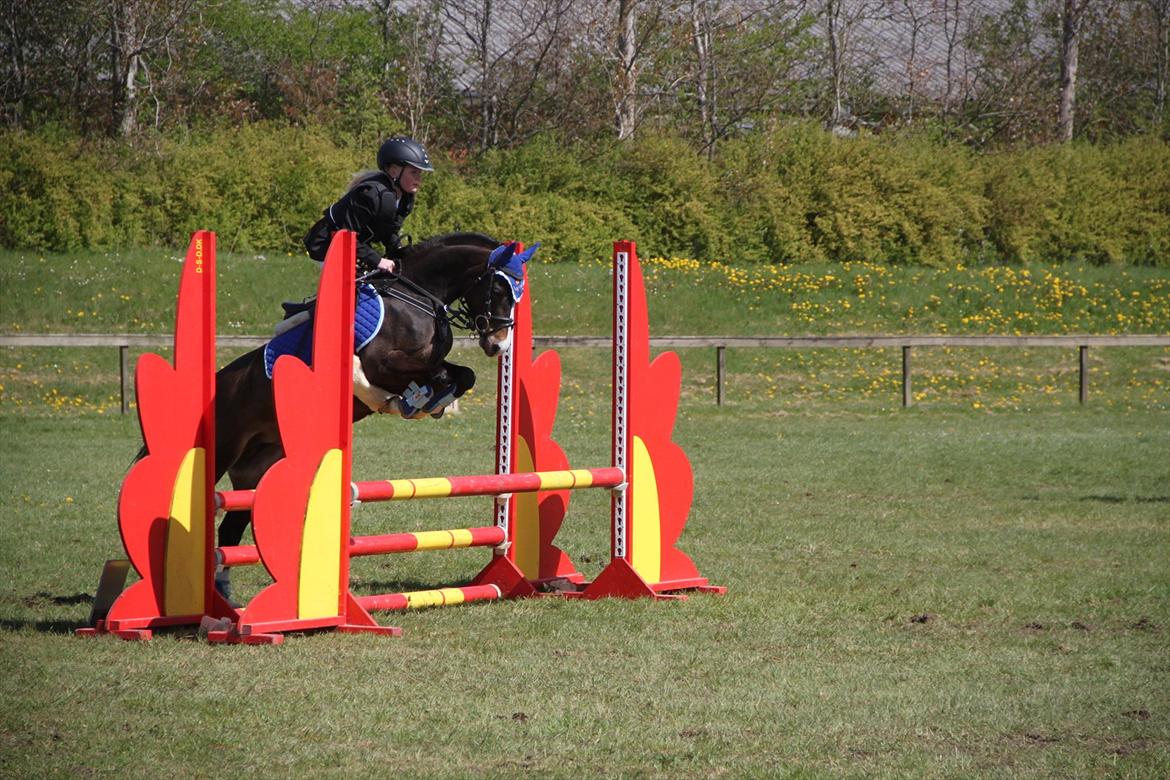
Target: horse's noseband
{"type": "Point", "coordinates": [486, 324]}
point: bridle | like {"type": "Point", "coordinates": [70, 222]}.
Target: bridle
{"type": "Point", "coordinates": [483, 324]}
{"type": "Point", "coordinates": [389, 284]}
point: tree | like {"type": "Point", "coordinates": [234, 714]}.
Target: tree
{"type": "Point", "coordinates": [425, 77]}
{"type": "Point", "coordinates": [51, 70]}
{"type": "Point", "coordinates": [1121, 85]}
{"type": "Point", "coordinates": [842, 19]}
{"type": "Point", "coordinates": [1014, 69]}
{"type": "Point", "coordinates": [1072, 14]}
{"type": "Point", "coordinates": [515, 64]}
{"type": "Point", "coordinates": [138, 30]}
{"type": "Point", "coordinates": [1160, 12]}
{"type": "Point", "coordinates": [744, 63]}
{"type": "Point", "coordinates": [626, 80]}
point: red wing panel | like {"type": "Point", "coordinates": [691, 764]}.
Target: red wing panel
{"type": "Point", "coordinates": [536, 391]}
{"type": "Point", "coordinates": [314, 409]}
{"type": "Point", "coordinates": [653, 395]}
{"type": "Point", "coordinates": [176, 414]}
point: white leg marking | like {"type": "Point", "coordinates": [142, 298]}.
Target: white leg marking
{"type": "Point", "coordinates": [374, 397]}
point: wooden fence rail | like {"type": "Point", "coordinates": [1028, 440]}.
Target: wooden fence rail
{"type": "Point", "coordinates": [1082, 343]}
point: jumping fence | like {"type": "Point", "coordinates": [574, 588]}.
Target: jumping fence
{"type": "Point", "coordinates": [300, 509]}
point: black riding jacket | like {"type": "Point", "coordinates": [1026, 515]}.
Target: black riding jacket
{"type": "Point", "coordinates": [372, 210]}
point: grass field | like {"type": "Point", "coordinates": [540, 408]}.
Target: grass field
{"type": "Point", "coordinates": [978, 586]}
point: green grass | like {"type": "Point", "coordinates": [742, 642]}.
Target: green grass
{"type": "Point", "coordinates": [977, 586]}
{"type": "Point", "coordinates": [134, 291]}
{"type": "Point", "coordinates": [927, 593]}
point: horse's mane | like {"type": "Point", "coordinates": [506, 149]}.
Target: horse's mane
{"type": "Point", "coordinates": [450, 239]}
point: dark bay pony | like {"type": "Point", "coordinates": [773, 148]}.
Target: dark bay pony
{"type": "Point", "coordinates": [421, 303]}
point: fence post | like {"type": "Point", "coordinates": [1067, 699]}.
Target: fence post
{"type": "Point", "coordinates": [907, 391]}
{"type": "Point", "coordinates": [1083, 356]}
{"type": "Point", "coordinates": [123, 371]}
{"type": "Point", "coordinates": [719, 369]}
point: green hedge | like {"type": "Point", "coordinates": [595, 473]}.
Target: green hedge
{"type": "Point", "coordinates": [1100, 204]}
{"type": "Point", "coordinates": [796, 194]}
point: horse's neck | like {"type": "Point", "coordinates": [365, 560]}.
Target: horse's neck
{"type": "Point", "coordinates": [447, 274]}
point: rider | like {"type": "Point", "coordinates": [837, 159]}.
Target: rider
{"type": "Point", "coordinates": [375, 206]}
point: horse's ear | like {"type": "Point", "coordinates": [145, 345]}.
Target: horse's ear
{"type": "Point", "coordinates": [527, 254]}
{"type": "Point", "coordinates": [501, 255]}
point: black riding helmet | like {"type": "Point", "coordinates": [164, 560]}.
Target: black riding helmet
{"type": "Point", "coordinates": [403, 151]}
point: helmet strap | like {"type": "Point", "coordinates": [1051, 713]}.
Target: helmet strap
{"type": "Point", "coordinates": [397, 180]}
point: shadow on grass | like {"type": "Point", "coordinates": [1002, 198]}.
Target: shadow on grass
{"type": "Point", "coordinates": [61, 601]}
{"type": "Point", "coordinates": [39, 601]}
{"type": "Point", "coordinates": [42, 626]}
{"type": "Point", "coordinates": [1123, 499]}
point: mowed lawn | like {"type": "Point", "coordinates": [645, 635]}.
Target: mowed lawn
{"type": "Point", "coordinates": [977, 586]}
{"type": "Point", "coordinates": [927, 592]}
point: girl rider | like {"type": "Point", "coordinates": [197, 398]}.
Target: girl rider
{"type": "Point", "coordinates": [375, 206]}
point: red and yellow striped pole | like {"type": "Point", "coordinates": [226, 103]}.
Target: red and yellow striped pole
{"type": "Point", "coordinates": [489, 484]}
{"type": "Point", "coordinates": [385, 544]}
{"type": "Point", "coordinates": [440, 597]}
{"type": "Point", "coordinates": [451, 487]}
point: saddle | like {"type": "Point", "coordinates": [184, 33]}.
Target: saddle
{"type": "Point", "coordinates": [292, 308]}
{"type": "Point", "coordinates": [294, 334]}
{"type": "Point", "coordinates": [295, 312]}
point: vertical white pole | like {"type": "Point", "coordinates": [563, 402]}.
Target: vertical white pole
{"type": "Point", "coordinates": [504, 435]}
{"type": "Point", "coordinates": [621, 381]}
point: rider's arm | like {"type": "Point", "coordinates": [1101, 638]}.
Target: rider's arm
{"type": "Point", "coordinates": [366, 210]}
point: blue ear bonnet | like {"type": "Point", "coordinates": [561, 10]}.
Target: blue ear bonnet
{"type": "Point", "coordinates": [510, 266]}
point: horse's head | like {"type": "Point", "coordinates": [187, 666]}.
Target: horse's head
{"type": "Point", "coordinates": [486, 277]}
{"type": "Point", "coordinates": [492, 299]}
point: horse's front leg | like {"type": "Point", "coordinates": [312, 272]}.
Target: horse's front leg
{"type": "Point", "coordinates": [442, 388]}
{"type": "Point", "coordinates": [375, 398]}
{"type": "Point", "coordinates": [423, 394]}
{"type": "Point", "coordinates": [384, 368]}
{"type": "Point", "coordinates": [462, 377]}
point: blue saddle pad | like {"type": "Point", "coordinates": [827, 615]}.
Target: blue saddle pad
{"type": "Point", "coordinates": [298, 340]}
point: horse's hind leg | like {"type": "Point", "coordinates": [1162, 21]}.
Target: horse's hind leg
{"type": "Point", "coordinates": [245, 475]}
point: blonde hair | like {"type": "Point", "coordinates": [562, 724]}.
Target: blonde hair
{"type": "Point", "coordinates": [359, 177]}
